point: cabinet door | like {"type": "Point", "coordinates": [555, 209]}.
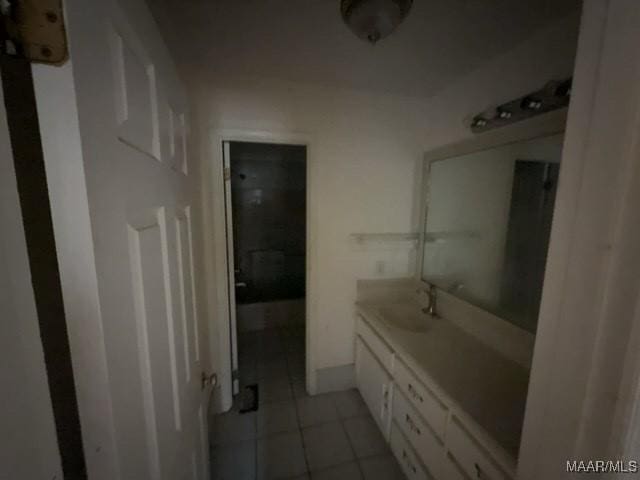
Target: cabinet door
{"type": "Point", "coordinates": [374, 384]}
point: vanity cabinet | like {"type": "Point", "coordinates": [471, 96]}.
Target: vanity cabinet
{"type": "Point", "coordinates": [429, 448]}
{"type": "Point", "coordinates": [470, 455]}
{"type": "Point", "coordinates": [406, 455]}
{"type": "Point", "coordinates": [375, 385]}
{"type": "Point", "coordinates": [426, 402]}
{"type": "Point", "coordinates": [423, 427]}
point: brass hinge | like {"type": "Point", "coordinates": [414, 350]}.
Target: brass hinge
{"type": "Point", "coordinates": [227, 173]}
{"type": "Point", "coordinates": [34, 29]}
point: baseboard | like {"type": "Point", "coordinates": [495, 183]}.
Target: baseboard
{"type": "Point", "coordinates": [334, 379]}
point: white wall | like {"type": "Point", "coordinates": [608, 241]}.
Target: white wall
{"type": "Point", "coordinates": [366, 153]}
{"type": "Point", "coordinates": [367, 150]}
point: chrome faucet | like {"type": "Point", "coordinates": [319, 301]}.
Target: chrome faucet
{"type": "Point", "coordinates": [430, 309]}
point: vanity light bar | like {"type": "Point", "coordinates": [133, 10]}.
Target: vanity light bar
{"type": "Point", "coordinates": [553, 95]}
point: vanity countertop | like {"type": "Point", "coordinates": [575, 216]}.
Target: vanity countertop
{"type": "Point", "coordinates": [481, 383]}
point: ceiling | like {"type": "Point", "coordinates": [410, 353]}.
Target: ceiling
{"type": "Point", "coordinates": [306, 41]}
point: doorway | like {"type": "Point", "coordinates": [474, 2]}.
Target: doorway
{"type": "Point", "coordinates": [265, 192]}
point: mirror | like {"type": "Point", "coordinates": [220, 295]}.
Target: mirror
{"type": "Point", "coordinates": [487, 225]}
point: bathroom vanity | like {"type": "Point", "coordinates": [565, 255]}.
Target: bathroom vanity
{"type": "Point", "coordinates": [450, 406]}
{"type": "Point", "coordinates": [449, 390]}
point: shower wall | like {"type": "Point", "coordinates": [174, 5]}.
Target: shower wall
{"type": "Point", "coordinates": [268, 191]}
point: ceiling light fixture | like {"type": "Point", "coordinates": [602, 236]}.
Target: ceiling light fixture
{"type": "Point", "coordinates": [373, 20]}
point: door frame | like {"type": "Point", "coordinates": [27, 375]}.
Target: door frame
{"type": "Point", "coordinates": [38, 369]}
{"type": "Point", "coordinates": [231, 273]}
{"type": "Point", "coordinates": [584, 390]}
{"type": "Point", "coordinates": [217, 271]}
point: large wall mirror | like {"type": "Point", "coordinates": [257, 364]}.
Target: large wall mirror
{"type": "Point", "coordinates": [487, 225]}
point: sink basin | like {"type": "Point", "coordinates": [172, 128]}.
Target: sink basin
{"type": "Point", "coordinates": [406, 317]}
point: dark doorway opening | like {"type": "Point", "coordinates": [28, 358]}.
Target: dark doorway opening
{"type": "Point", "coordinates": [267, 195]}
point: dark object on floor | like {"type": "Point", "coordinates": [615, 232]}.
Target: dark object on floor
{"type": "Point", "coordinates": [249, 399]}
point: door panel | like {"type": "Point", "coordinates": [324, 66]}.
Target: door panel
{"type": "Point", "coordinates": [187, 287]}
{"type": "Point", "coordinates": [134, 93]}
{"type": "Point", "coordinates": [185, 293]}
{"type": "Point", "coordinates": [180, 143]}
{"type": "Point", "coordinates": [156, 337]}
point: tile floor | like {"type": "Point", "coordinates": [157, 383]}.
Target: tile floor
{"type": "Point", "coordinates": [292, 435]}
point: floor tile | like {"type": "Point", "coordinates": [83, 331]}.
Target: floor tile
{"type": "Point", "coordinates": [275, 360]}
{"type": "Point", "coordinates": [326, 445]}
{"type": "Point", "coordinates": [381, 468]}
{"type": "Point", "coordinates": [365, 437]}
{"type": "Point", "coordinates": [299, 388]}
{"type": "Point", "coordinates": [297, 373]}
{"type": "Point", "coordinates": [273, 370]}
{"type": "Point", "coordinates": [347, 471]}
{"type": "Point", "coordinates": [232, 427]}
{"type": "Point", "coordinates": [296, 359]}
{"type": "Point", "coordinates": [236, 461]}
{"type": "Point", "coordinates": [274, 390]}
{"type": "Point", "coordinates": [280, 456]}
{"type": "Point", "coordinates": [317, 409]}
{"type": "Point", "coordinates": [350, 404]}
{"type": "Point", "coordinates": [277, 417]}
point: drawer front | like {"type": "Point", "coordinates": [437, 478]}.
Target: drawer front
{"type": "Point", "coordinates": [472, 458]}
{"type": "Point", "coordinates": [379, 348]}
{"type": "Point", "coordinates": [425, 402]}
{"type": "Point", "coordinates": [452, 471]}
{"type": "Point", "coordinates": [418, 433]}
{"type": "Point", "coordinates": [406, 456]}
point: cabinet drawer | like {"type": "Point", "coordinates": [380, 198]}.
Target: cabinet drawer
{"type": "Point", "coordinates": [406, 456]}
{"type": "Point", "coordinates": [472, 458]}
{"type": "Point", "coordinates": [422, 398]}
{"type": "Point", "coordinates": [452, 471]}
{"type": "Point", "coordinates": [421, 437]}
{"type": "Point", "coordinates": [379, 348]}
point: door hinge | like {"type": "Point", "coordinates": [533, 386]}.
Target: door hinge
{"type": "Point", "coordinates": [227, 173]}
{"type": "Point", "coordinates": [34, 30]}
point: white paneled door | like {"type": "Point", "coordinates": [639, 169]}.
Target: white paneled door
{"type": "Point", "coordinates": [123, 213]}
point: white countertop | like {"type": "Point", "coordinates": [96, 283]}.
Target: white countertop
{"type": "Point", "coordinates": [484, 385]}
